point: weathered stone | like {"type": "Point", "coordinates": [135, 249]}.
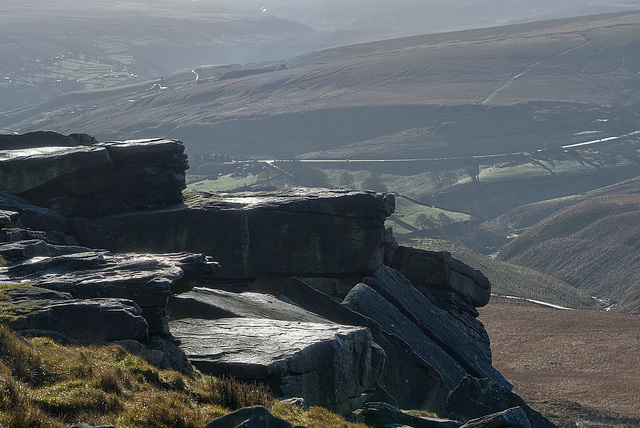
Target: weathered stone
{"type": "Point", "coordinates": [370, 303]}
{"type": "Point", "coordinates": [89, 274]}
{"type": "Point", "coordinates": [464, 316]}
{"type": "Point", "coordinates": [430, 271]}
{"type": "Point", "coordinates": [407, 377]}
{"type": "Point", "coordinates": [98, 179]}
{"type": "Point", "coordinates": [92, 320]}
{"type": "Point", "coordinates": [205, 303]}
{"type": "Point", "coordinates": [19, 251]}
{"type": "Point", "coordinates": [434, 322]}
{"type": "Point", "coordinates": [22, 171]}
{"type": "Point", "coordinates": [327, 364]}
{"type": "Point", "coordinates": [514, 417]}
{"type": "Point", "coordinates": [249, 417]}
{"type": "Point", "coordinates": [380, 415]}
{"type": "Point", "coordinates": [297, 401]}
{"type": "Point", "coordinates": [86, 320]}
{"type": "Point", "coordinates": [161, 352]}
{"type": "Point", "coordinates": [31, 216]}
{"type": "Point", "coordinates": [475, 398]}
{"type": "Point", "coordinates": [297, 231]}
{"type": "Point", "coordinates": [144, 279]}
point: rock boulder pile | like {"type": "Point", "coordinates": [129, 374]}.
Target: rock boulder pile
{"type": "Point", "coordinates": [302, 289]}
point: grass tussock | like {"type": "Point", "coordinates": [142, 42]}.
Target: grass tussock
{"type": "Point", "coordinates": [45, 384]}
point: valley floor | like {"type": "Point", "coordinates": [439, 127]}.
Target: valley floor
{"type": "Point", "coordinates": [577, 367]}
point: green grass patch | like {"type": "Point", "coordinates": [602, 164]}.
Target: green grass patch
{"type": "Point", "coordinates": [412, 215]}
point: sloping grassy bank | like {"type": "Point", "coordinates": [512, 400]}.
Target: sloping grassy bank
{"type": "Point", "coordinates": [45, 384]}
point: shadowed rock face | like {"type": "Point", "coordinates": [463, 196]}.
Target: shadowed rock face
{"type": "Point", "coordinates": [363, 299]}
{"type": "Point", "coordinates": [297, 231]}
{"type": "Point", "coordinates": [434, 272]}
{"type": "Point", "coordinates": [97, 179]}
{"type": "Point", "coordinates": [488, 397]}
{"type": "Point", "coordinates": [434, 323]}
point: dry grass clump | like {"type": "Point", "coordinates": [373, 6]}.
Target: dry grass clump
{"type": "Point", "coordinates": [45, 384]}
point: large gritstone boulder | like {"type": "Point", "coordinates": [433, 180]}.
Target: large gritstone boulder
{"type": "Point", "coordinates": [328, 364]}
{"type": "Point", "coordinates": [297, 231]}
{"type": "Point", "coordinates": [97, 179]}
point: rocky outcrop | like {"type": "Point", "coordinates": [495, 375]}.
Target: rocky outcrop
{"type": "Point", "coordinates": [434, 323]}
{"type": "Point", "coordinates": [76, 294]}
{"type": "Point", "coordinates": [370, 303]}
{"type": "Point", "coordinates": [449, 284]}
{"type": "Point", "coordinates": [408, 380]}
{"type": "Point", "coordinates": [327, 364]}
{"type": "Point", "coordinates": [294, 232]}
{"type": "Point", "coordinates": [412, 342]}
{"type": "Point", "coordinates": [97, 179]}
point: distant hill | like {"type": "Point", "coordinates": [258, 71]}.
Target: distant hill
{"type": "Point", "coordinates": [469, 93]}
{"type": "Point", "coordinates": [593, 244]}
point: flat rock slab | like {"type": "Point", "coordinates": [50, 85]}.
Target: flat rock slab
{"type": "Point", "coordinates": [206, 303]}
{"type": "Point", "coordinates": [327, 364]}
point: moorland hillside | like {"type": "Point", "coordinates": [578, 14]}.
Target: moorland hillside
{"type": "Point", "coordinates": [591, 244]}
{"type": "Point", "coordinates": [469, 93]}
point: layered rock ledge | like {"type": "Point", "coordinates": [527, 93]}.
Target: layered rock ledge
{"type": "Point", "coordinates": [293, 232]}
{"type": "Point", "coordinates": [96, 179]}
